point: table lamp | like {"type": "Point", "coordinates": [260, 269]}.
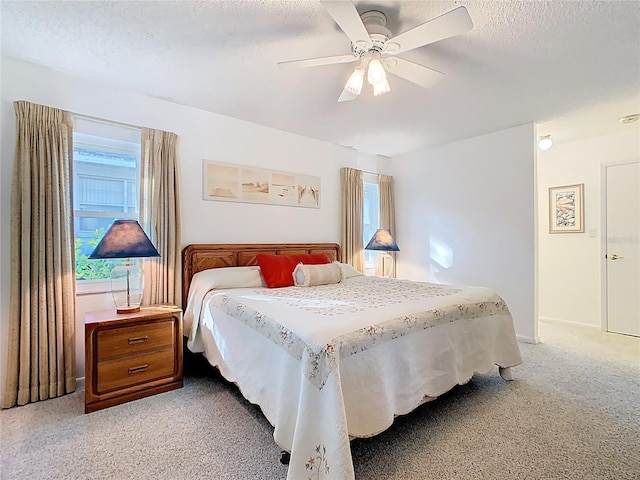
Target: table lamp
{"type": "Point", "coordinates": [383, 241]}
{"type": "Point", "coordinates": [126, 239]}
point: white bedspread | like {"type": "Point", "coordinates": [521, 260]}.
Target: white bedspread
{"type": "Point", "coordinates": [331, 362]}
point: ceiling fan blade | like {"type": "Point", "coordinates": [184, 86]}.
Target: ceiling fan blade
{"type": "Point", "coordinates": [347, 17]}
{"type": "Point", "coordinates": [314, 62]}
{"type": "Point", "coordinates": [447, 25]}
{"type": "Point", "coordinates": [422, 76]}
{"type": "Point", "coordinates": [346, 95]}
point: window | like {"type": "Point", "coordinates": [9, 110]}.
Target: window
{"type": "Point", "coordinates": [106, 163]}
{"type": "Point", "coordinates": [370, 217]}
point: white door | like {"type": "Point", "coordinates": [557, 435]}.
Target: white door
{"type": "Point", "coordinates": [623, 248]}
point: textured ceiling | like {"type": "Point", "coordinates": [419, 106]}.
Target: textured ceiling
{"type": "Point", "coordinates": [573, 66]}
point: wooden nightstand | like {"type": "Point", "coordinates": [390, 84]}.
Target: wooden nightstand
{"type": "Point", "coordinates": [130, 356]}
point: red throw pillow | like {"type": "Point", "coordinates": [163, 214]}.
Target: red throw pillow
{"type": "Point", "coordinates": [277, 270]}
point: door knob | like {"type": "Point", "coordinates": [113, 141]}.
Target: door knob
{"type": "Point", "coordinates": [613, 256]}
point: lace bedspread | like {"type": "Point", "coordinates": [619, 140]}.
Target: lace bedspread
{"type": "Point", "coordinates": [362, 297]}
{"type": "Point", "coordinates": [312, 331]}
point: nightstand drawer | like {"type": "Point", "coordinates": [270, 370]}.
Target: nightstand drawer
{"type": "Point", "coordinates": [125, 341]}
{"type": "Point", "coordinates": [128, 371]}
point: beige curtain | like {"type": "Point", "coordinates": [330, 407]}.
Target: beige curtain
{"type": "Point", "coordinates": [160, 216]}
{"type": "Point", "coordinates": [387, 216]}
{"type": "Point", "coordinates": [352, 204]}
{"type": "Point", "coordinates": [41, 338]}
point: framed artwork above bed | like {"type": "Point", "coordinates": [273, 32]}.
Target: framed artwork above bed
{"type": "Point", "coordinates": [226, 182]}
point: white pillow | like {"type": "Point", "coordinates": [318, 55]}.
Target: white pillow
{"type": "Point", "coordinates": [312, 275]}
{"type": "Point", "coordinates": [207, 280]}
{"type": "Point", "coordinates": [348, 271]}
{"type": "Point", "coordinates": [227, 277]}
{"type": "Point", "coordinates": [230, 277]}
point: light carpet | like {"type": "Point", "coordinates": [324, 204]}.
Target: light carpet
{"type": "Point", "coordinates": [572, 412]}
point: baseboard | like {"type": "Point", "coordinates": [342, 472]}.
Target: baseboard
{"type": "Point", "coordinates": [80, 382]}
{"type": "Point", "coordinates": [523, 339]}
{"type": "Point", "coordinates": [568, 322]}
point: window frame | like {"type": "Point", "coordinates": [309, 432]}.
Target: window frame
{"type": "Point", "coordinates": [121, 148]}
{"type": "Point", "coordinates": [370, 184]}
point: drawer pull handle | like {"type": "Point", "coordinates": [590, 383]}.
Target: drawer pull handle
{"type": "Point", "coordinates": [141, 368]}
{"type": "Point", "coordinates": [137, 340]}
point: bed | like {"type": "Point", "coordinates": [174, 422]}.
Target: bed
{"type": "Point", "coordinates": [337, 361]}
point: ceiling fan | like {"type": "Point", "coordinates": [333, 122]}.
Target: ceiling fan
{"type": "Point", "coordinates": [376, 50]}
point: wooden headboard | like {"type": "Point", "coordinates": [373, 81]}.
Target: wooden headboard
{"type": "Point", "coordinates": [201, 256]}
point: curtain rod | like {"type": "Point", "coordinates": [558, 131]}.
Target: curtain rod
{"type": "Point", "coordinates": [372, 173]}
{"type": "Point", "coordinates": [376, 174]}
{"type": "Point", "coordinates": [104, 120]}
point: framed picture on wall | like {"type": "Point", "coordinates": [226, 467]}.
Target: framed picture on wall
{"type": "Point", "coordinates": [227, 182]}
{"type": "Point", "coordinates": [566, 209]}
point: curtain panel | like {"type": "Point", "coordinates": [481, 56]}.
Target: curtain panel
{"type": "Point", "coordinates": [387, 216]}
{"type": "Point", "coordinates": [41, 336]}
{"type": "Point", "coordinates": [160, 216]}
{"type": "Point", "coordinates": [352, 206]}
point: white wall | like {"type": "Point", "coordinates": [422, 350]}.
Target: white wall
{"type": "Point", "coordinates": [202, 135]}
{"type": "Point", "coordinates": [570, 264]}
{"type": "Point", "coordinates": [466, 215]}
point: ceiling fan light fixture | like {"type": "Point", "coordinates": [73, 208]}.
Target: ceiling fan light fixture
{"type": "Point", "coordinates": [375, 73]}
{"type": "Point", "coordinates": [381, 88]}
{"type": "Point", "coordinates": [354, 84]}
{"type": "Point", "coordinates": [373, 43]}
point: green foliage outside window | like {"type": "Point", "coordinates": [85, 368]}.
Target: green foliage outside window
{"type": "Point", "coordinates": [87, 269]}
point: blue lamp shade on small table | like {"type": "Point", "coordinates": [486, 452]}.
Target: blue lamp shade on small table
{"type": "Point", "coordinates": [126, 239]}
{"type": "Point", "coordinates": [383, 241]}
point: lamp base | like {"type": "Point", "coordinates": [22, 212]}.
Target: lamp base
{"type": "Point", "coordinates": [127, 285]}
{"type": "Point", "coordinates": [129, 309]}
{"type": "Point", "coordinates": [386, 258]}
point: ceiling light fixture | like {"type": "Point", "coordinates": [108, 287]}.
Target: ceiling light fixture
{"type": "Point", "coordinates": [375, 73]}
{"type": "Point", "coordinates": [354, 84]}
{"type": "Point", "coordinates": [545, 142]}
{"type": "Point", "coordinates": [376, 76]}
{"type": "Point", "coordinates": [381, 88]}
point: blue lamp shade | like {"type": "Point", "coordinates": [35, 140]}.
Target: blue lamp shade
{"type": "Point", "coordinates": [382, 240]}
{"type": "Point", "coordinates": [126, 239]}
